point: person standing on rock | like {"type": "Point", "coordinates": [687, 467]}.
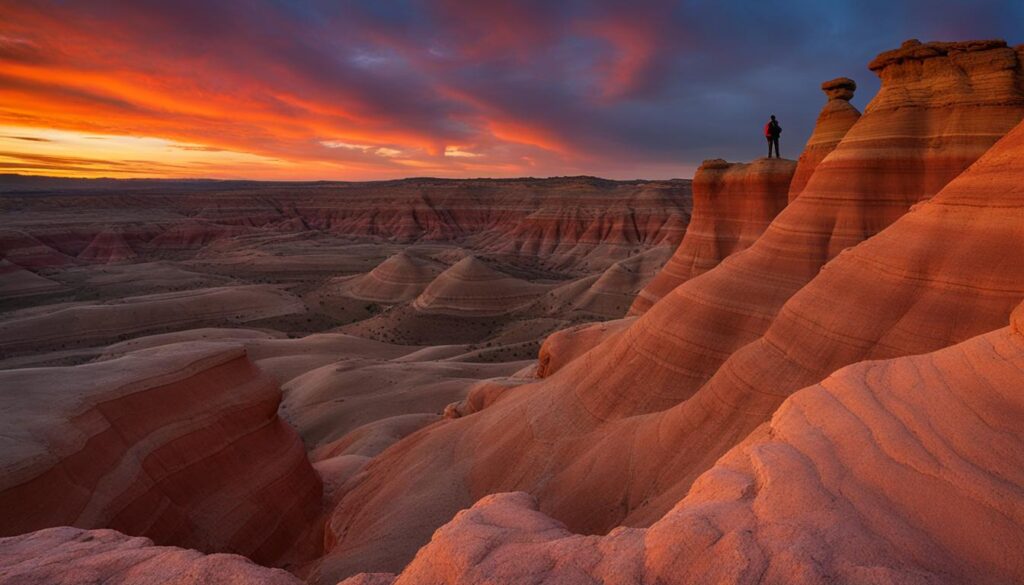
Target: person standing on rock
{"type": "Point", "coordinates": [772, 130]}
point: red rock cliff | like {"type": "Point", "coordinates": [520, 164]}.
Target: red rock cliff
{"type": "Point", "coordinates": [619, 434]}
{"type": "Point", "coordinates": [733, 203]}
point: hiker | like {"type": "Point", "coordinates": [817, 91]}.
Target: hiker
{"type": "Point", "coordinates": [772, 130]}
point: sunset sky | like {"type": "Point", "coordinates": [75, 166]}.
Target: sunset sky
{"type": "Point", "coordinates": [395, 88]}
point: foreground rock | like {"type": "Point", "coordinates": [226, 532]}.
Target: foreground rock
{"type": "Point", "coordinates": [903, 471]}
{"type": "Point", "coordinates": [72, 556]}
{"type": "Point", "coordinates": [180, 443]}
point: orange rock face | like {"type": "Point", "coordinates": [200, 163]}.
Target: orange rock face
{"type": "Point", "coordinates": [568, 344]}
{"type": "Point", "coordinates": [900, 471]}
{"type": "Point", "coordinates": [733, 203]}
{"type": "Point", "coordinates": [620, 437]}
{"type": "Point", "coordinates": [71, 556]}
{"type": "Point", "coordinates": [181, 444]}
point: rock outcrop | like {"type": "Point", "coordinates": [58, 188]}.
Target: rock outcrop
{"type": "Point", "coordinates": [181, 444]}
{"type": "Point", "coordinates": [619, 438]}
{"type": "Point", "coordinates": [909, 470]}
{"type": "Point", "coordinates": [733, 203]}
{"type": "Point", "coordinates": [834, 121]}
{"type": "Point", "coordinates": [72, 556]}
{"type": "Point", "coordinates": [566, 345]}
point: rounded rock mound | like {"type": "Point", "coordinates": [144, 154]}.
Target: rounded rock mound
{"type": "Point", "coordinates": [471, 287]}
{"type": "Point", "coordinates": [401, 277]}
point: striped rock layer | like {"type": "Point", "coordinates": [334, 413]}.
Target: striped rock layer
{"type": "Point", "coordinates": [908, 470]}
{"type": "Point", "coordinates": [618, 435]}
{"type": "Point", "coordinates": [733, 203]}
{"type": "Point", "coordinates": [181, 444]}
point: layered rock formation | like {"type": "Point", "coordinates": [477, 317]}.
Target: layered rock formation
{"type": "Point", "coordinates": [902, 471]}
{"type": "Point", "coordinates": [733, 203]}
{"type": "Point", "coordinates": [181, 444]}
{"type": "Point", "coordinates": [619, 437]}
{"type": "Point", "coordinates": [28, 252]}
{"type": "Point", "coordinates": [71, 556]}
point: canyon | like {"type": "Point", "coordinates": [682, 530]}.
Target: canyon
{"type": "Point", "coordinates": [779, 372]}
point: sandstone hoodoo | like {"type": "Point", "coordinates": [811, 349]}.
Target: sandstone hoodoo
{"type": "Point", "coordinates": [834, 121]}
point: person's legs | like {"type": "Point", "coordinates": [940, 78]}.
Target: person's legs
{"type": "Point", "coordinates": [775, 141]}
{"type": "Point", "coordinates": [769, 146]}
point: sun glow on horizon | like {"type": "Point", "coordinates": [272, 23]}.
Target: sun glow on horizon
{"type": "Point", "coordinates": [51, 152]}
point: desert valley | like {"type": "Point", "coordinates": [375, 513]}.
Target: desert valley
{"type": "Point", "coordinates": [781, 371]}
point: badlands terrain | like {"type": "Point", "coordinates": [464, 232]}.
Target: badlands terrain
{"type": "Point", "coordinates": [803, 371]}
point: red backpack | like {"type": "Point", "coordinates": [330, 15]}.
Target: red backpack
{"type": "Point", "coordinates": [768, 130]}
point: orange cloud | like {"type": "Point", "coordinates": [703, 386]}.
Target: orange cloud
{"type": "Point", "coordinates": [244, 93]}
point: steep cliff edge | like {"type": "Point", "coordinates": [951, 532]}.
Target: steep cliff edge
{"type": "Point", "coordinates": [181, 444]}
{"type": "Point", "coordinates": [733, 203]}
